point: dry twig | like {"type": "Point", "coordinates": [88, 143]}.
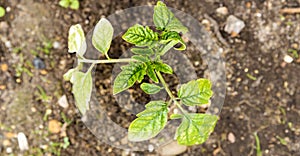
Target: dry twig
{"type": "Point", "coordinates": [290, 11]}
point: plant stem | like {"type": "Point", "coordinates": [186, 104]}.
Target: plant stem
{"type": "Point", "coordinates": [91, 67]}
{"type": "Point", "coordinates": [162, 80]}
{"type": "Point", "coordinates": [107, 61]}
{"type": "Point", "coordinates": [107, 56]}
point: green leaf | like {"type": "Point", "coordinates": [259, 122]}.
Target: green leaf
{"type": "Point", "coordinates": [82, 90]}
{"type": "Point", "coordinates": [162, 67]}
{"type": "Point", "coordinates": [150, 88]}
{"type": "Point", "coordinates": [176, 116]}
{"type": "Point", "coordinates": [130, 74]}
{"type": "Point", "coordinates": [142, 51]}
{"type": "Point", "coordinates": [140, 36]}
{"type": "Point", "coordinates": [164, 19]}
{"type": "Point", "coordinates": [2, 11]}
{"type": "Point", "coordinates": [102, 36]}
{"type": "Point", "coordinates": [195, 92]}
{"type": "Point", "coordinates": [195, 129]}
{"type": "Point", "coordinates": [151, 72]}
{"type": "Point", "coordinates": [64, 3]}
{"type": "Point", "coordinates": [74, 4]}
{"type": "Point", "coordinates": [68, 75]}
{"type": "Point", "coordinates": [149, 122]}
{"type": "Point", "coordinates": [76, 40]}
{"type": "Point", "coordinates": [141, 58]}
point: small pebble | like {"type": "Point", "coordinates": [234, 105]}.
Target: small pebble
{"type": "Point", "coordinates": [150, 148]}
{"type": "Point", "coordinates": [172, 149]}
{"type": "Point", "coordinates": [22, 141]}
{"type": "Point", "coordinates": [8, 44]}
{"type": "Point", "coordinates": [56, 45]}
{"type": "Point", "coordinates": [288, 59]}
{"type": "Point", "coordinates": [231, 137]}
{"type": "Point", "coordinates": [6, 143]}
{"type": "Point", "coordinates": [4, 67]}
{"type": "Point", "coordinates": [9, 135]}
{"type": "Point", "coordinates": [2, 87]}
{"type": "Point", "coordinates": [63, 102]}
{"type": "Point", "coordinates": [44, 72]}
{"type": "Point", "coordinates": [54, 126]}
{"type": "Point", "coordinates": [113, 139]}
{"type": "Point", "coordinates": [222, 10]}
{"type": "Point", "coordinates": [8, 9]}
{"type": "Point", "coordinates": [9, 150]}
{"type": "Point", "coordinates": [18, 80]}
{"type": "Point", "coordinates": [234, 25]}
{"type": "Point", "coordinates": [39, 63]}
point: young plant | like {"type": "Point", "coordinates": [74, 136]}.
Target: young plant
{"type": "Point", "coordinates": [2, 11]}
{"type": "Point", "coordinates": [150, 47]}
{"type": "Point", "coordinates": [73, 4]}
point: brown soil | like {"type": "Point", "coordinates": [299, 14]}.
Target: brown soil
{"type": "Point", "coordinates": [268, 106]}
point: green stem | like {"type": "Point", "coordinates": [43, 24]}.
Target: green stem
{"type": "Point", "coordinates": [91, 67]}
{"type": "Point", "coordinates": [107, 61]}
{"type": "Point", "coordinates": [162, 80]}
{"type": "Point", "coordinates": [107, 56]}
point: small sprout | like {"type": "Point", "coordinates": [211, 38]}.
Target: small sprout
{"type": "Point", "coordinates": [251, 77]}
{"type": "Point", "coordinates": [73, 4]}
{"type": "Point", "coordinates": [294, 53]}
{"type": "Point", "coordinates": [258, 150]}
{"type": "Point", "coordinates": [282, 140]}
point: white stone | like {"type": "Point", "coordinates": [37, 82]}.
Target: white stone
{"type": "Point", "coordinates": [234, 25]}
{"type": "Point", "coordinates": [8, 44]}
{"type": "Point", "coordinates": [231, 137]}
{"type": "Point", "coordinates": [63, 102]}
{"type": "Point", "coordinates": [22, 141]}
{"type": "Point", "coordinates": [222, 10]}
{"type": "Point", "coordinates": [288, 59]}
{"type": "Point", "coordinates": [56, 45]}
{"type": "Point", "coordinates": [172, 149]}
{"type": "Point", "coordinates": [150, 148]}
{"type": "Point", "coordinates": [9, 150]}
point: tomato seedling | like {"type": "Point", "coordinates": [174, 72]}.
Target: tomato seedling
{"type": "Point", "coordinates": [150, 46]}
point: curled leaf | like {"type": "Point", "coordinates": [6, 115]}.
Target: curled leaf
{"type": "Point", "coordinates": [76, 40]}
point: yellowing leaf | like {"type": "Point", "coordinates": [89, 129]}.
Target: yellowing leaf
{"type": "Point", "coordinates": [82, 90]}
{"type": "Point", "coordinates": [195, 92]}
{"type": "Point", "coordinates": [129, 75]}
{"type": "Point", "coordinates": [149, 122]}
{"type": "Point", "coordinates": [76, 40]}
{"type": "Point", "coordinates": [164, 19]}
{"type": "Point", "coordinates": [195, 129]}
{"type": "Point", "coordinates": [140, 36]}
{"type": "Point", "coordinates": [102, 36]}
